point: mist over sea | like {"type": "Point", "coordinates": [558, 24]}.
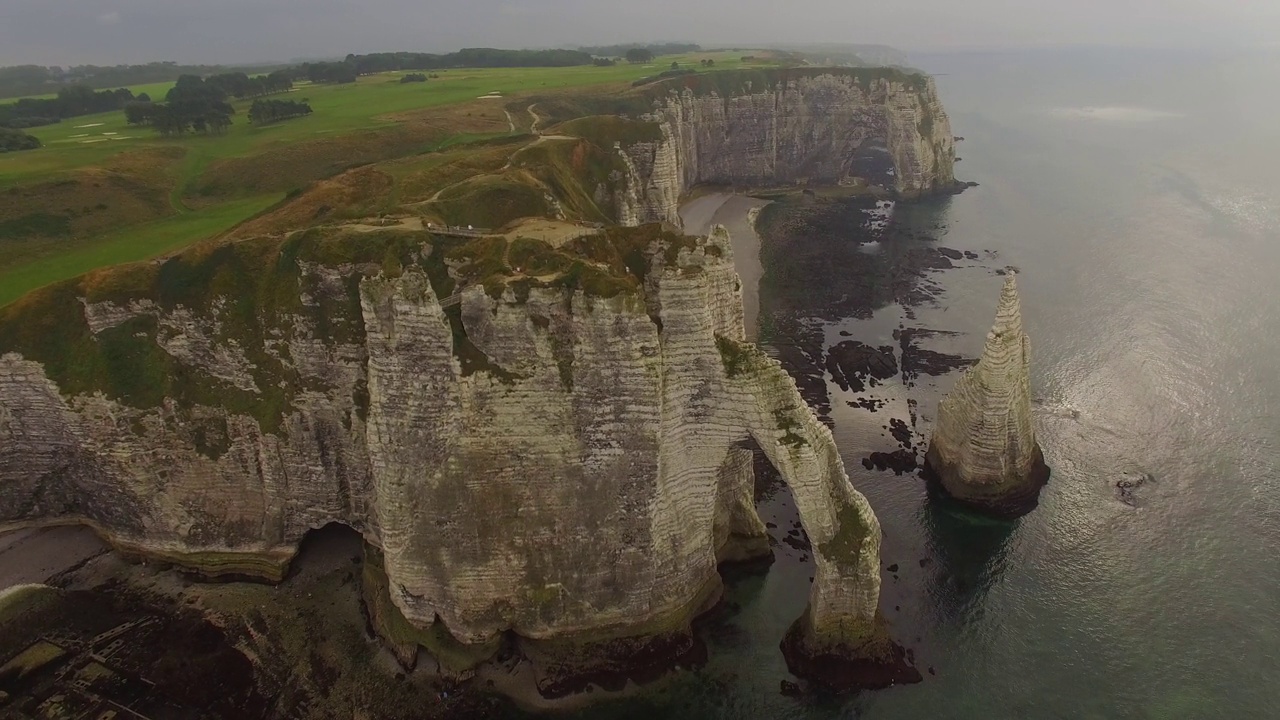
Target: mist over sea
{"type": "Point", "coordinates": [1138, 193]}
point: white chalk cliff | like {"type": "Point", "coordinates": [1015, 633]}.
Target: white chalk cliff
{"type": "Point", "coordinates": [984, 450]}
{"type": "Point", "coordinates": [546, 462]}
{"type": "Point", "coordinates": [803, 125]}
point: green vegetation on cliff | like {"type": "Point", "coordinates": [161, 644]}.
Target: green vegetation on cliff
{"type": "Point", "coordinates": [254, 296]}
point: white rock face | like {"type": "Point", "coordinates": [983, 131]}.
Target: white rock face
{"type": "Point", "coordinates": [574, 468]}
{"type": "Point", "coordinates": [811, 126]}
{"type": "Point", "coordinates": [984, 448]}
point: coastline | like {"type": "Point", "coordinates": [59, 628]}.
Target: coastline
{"type": "Point", "coordinates": [737, 213]}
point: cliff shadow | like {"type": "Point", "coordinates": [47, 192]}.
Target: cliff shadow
{"type": "Point", "coordinates": [968, 552]}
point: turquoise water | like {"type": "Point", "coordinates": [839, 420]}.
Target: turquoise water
{"type": "Point", "coordinates": [1139, 195]}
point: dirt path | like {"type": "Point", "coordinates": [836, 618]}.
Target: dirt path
{"type": "Point", "coordinates": [510, 121]}
{"type": "Point", "coordinates": [534, 127]}
{"type": "Point", "coordinates": [539, 138]}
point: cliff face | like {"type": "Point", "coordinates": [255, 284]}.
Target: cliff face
{"type": "Point", "coordinates": [564, 461]}
{"type": "Point", "coordinates": [984, 450]}
{"type": "Point", "coordinates": [823, 126]}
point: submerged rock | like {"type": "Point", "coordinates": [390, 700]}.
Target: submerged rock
{"type": "Point", "coordinates": [853, 365]}
{"type": "Point", "coordinates": [984, 451]}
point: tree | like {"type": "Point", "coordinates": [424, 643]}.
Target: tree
{"type": "Point", "coordinates": [263, 112]}
{"type": "Point", "coordinates": [675, 65]}
{"type": "Point", "coordinates": [139, 113]}
{"type": "Point", "coordinates": [194, 104]}
{"type": "Point", "coordinates": [639, 55]}
{"type": "Point", "coordinates": [13, 141]}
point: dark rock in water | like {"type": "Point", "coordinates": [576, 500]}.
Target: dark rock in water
{"type": "Point", "coordinates": [892, 568]}
{"type": "Point", "coordinates": [917, 361]}
{"type": "Point", "coordinates": [845, 333]}
{"type": "Point", "coordinates": [868, 404]}
{"type": "Point", "coordinates": [898, 428]}
{"type": "Point", "coordinates": [1126, 487]}
{"type": "Point", "coordinates": [926, 562]}
{"type": "Point", "coordinates": [970, 255]}
{"type": "Point", "coordinates": [868, 463]}
{"type": "Point", "coordinates": [850, 362]}
{"type": "Point", "coordinates": [899, 461]}
{"type": "Point", "coordinates": [790, 689]}
{"type": "Point", "coordinates": [950, 253]}
{"type": "Point", "coordinates": [880, 663]}
{"type": "Point", "coordinates": [799, 542]}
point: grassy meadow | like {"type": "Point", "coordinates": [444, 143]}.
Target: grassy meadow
{"type": "Point", "coordinates": [214, 183]}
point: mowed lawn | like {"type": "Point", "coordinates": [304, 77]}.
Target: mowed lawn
{"type": "Point", "coordinates": [369, 103]}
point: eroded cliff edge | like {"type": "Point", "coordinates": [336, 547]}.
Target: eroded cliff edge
{"type": "Point", "coordinates": [551, 443]}
{"type": "Point", "coordinates": [821, 126]}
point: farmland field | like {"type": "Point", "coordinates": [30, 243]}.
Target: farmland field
{"type": "Point", "coordinates": [199, 186]}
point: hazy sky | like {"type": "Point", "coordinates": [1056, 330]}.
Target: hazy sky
{"type": "Point", "coordinates": [65, 32]}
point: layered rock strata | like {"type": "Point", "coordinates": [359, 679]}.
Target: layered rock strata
{"type": "Point", "coordinates": [553, 464]}
{"type": "Point", "coordinates": [820, 126]}
{"type": "Point", "coordinates": [983, 451]}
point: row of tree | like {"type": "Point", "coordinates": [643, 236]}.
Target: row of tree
{"type": "Point", "coordinates": [70, 102]}
{"type": "Point", "coordinates": [264, 112]}
{"type": "Point", "coordinates": [193, 104]}
{"type": "Point", "coordinates": [353, 66]}
{"type": "Point", "coordinates": [325, 72]}
{"type": "Point", "coordinates": [671, 48]}
{"type": "Point", "coordinates": [200, 105]}
{"type": "Point", "coordinates": [240, 85]}
{"type": "Point", "coordinates": [21, 80]}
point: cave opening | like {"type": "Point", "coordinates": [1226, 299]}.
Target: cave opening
{"type": "Point", "coordinates": [325, 548]}
{"type": "Point", "coordinates": [873, 163]}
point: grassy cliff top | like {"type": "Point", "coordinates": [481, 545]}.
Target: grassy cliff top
{"type": "Point", "coordinates": [756, 79]}
{"type": "Point", "coordinates": [255, 295]}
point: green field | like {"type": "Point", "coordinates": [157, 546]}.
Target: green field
{"type": "Point", "coordinates": [338, 108]}
{"type": "Point", "coordinates": [129, 245]}
{"type": "Point", "coordinates": [207, 204]}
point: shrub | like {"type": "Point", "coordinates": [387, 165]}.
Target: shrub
{"type": "Point", "coordinates": [14, 140]}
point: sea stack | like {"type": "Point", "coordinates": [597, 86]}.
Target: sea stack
{"type": "Point", "coordinates": [984, 452]}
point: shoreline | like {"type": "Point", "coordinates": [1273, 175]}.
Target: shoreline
{"type": "Point", "coordinates": [737, 213]}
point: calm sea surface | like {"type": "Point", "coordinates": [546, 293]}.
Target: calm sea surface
{"type": "Point", "coordinates": [1139, 195]}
